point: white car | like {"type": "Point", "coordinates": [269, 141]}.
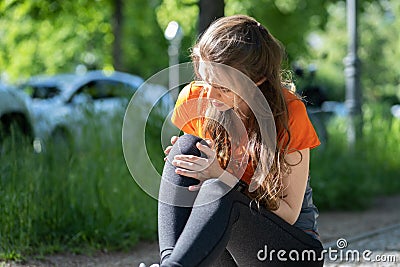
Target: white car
{"type": "Point", "coordinates": [14, 112]}
{"type": "Point", "coordinates": [60, 103]}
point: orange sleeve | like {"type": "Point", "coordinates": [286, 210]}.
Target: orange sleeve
{"type": "Point", "coordinates": [302, 132]}
{"type": "Point", "coordinates": [188, 114]}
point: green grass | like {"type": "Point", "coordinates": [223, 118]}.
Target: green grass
{"type": "Point", "coordinates": [350, 179]}
{"type": "Point", "coordinates": [63, 201]}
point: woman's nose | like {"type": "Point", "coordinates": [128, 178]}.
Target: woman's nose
{"type": "Point", "coordinates": [212, 93]}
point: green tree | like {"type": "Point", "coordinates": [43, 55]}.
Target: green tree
{"type": "Point", "coordinates": [144, 47]}
{"type": "Point", "coordinates": [209, 10]}
{"type": "Point", "coordinates": [186, 14]}
{"type": "Point", "coordinates": [56, 36]}
{"type": "Point", "coordinates": [378, 51]}
{"type": "Point", "coordinates": [117, 22]}
{"type": "Point", "coordinates": [53, 36]}
{"type": "Point", "coordinates": [290, 20]}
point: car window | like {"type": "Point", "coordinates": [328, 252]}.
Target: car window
{"type": "Point", "coordinates": [101, 89]}
{"type": "Point", "coordinates": [42, 92]}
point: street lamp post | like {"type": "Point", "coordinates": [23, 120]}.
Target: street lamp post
{"type": "Point", "coordinates": [352, 73]}
{"type": "Point", "coordinates": [173, 33]}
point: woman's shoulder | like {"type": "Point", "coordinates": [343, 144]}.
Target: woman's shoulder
{"type": "Point", "coordinates": [191, 90]}
{"type": "Point", "coordinates": [293, 100]}
{"type": "Point", "coordinates": [302, 131]}
{"type": "Point", "coordinates": [188, 110]}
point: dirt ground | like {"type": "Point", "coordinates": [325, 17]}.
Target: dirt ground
{"type": "Point", "coordinates": [332, 225]}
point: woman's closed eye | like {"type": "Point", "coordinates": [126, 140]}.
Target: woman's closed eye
{"type": "Point", "coordinates": [222, 89]}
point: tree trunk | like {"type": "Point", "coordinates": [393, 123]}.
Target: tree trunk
{"type": "Point", "coordinates": [210, 10]}
{"type": "Point", "coordinates": [117, 31]}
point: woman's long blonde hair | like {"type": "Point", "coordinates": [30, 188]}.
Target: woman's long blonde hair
{"type": "Point", "coordinates": [242, 43]}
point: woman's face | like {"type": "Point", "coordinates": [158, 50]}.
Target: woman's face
{"type": "Point", "coordinates": [219, 96]}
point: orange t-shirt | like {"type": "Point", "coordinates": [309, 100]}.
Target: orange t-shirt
{"type": "Point", "coordinates": [188, 116]}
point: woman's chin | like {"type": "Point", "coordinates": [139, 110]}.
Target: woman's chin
{"type": "Point", "coordinates": [223, 108]}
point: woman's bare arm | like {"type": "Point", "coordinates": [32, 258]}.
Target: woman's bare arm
{"type": "Point", "coordinates": [295, 185]}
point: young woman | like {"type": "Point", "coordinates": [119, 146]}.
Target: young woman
{"type": "Point", "coordinates": [235, 187]}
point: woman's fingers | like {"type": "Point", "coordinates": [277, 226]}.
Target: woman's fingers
{"type": "Point", "coordinates": [206, 149]}
{"type": "Point", "coordinates": [194, 165]}
{"type": "Point", "coordinates": [189, 173]}
{"type": "Point", "coordinates": [199, 168]}
{"type": "Point", "coordinates": [174, 139]}
{"type": "Point", "coordinates": [168, 148]}
{"type": "Point", "coordinates": [191, 158]}
{"type": "Point", "coordinates": [209, 142]}
{"type": "Point", "coordinates": [195, 187]}
{"type": "Point", "coordinates": [166, 152]}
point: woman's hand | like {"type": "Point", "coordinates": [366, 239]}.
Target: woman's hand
{"type": "Point", "coordinates": [168, 148]}
{"type": "Point", "coordinates": [197, 167]}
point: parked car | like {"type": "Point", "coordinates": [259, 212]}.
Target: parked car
{"type": "Point", "coordinates": [60, 103]}
{"type": "Point", "coordinates": [14, 113]}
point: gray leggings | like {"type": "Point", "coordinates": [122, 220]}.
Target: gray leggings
{"type": "Point", "coordinates": [229, 231]}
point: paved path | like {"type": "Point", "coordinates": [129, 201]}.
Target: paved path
{"type": "Point", "coordinates": [379, 249]}
{"type": "Point", "coordinates": [365, 230]}
{"type": "Point", "coordinates": [384, 211]}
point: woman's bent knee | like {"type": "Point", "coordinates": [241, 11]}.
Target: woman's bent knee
{"type": "Point", "coordinates": [174, 187]}
{"type": "Point", "coordinates": [185, 145]}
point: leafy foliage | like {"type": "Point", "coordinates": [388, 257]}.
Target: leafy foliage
{"type": "Point", "coordinates": [144, 45]}
{"type": "Point", "coordinates": [185, 13]}
{"type": "Point", "coordinates": [53, 36]}
{"type": "Point", "coordinates": [378, 50]}
{"type": "Point", "coordinates": [289, 21]}
{"type": "Point", "coordinates": [56, 36]}
{"type": "Point", "coordinates": [348, 180]}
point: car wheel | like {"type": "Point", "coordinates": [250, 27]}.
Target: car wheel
{"type": "Point", "coordinates": [15, 130]}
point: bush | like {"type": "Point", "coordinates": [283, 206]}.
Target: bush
{"type": "Point", "coordinates": [345, 179]}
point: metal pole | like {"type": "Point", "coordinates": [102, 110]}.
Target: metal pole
{"type": "Point", "coordinates": [352, 73]}
{"type": "Point", "coordinates": [173, 33]}
{"type": "Point", "coordinates": [173, 52]}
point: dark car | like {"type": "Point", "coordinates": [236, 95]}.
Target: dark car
{"type": "Point", "coordinates": [14, 113]}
